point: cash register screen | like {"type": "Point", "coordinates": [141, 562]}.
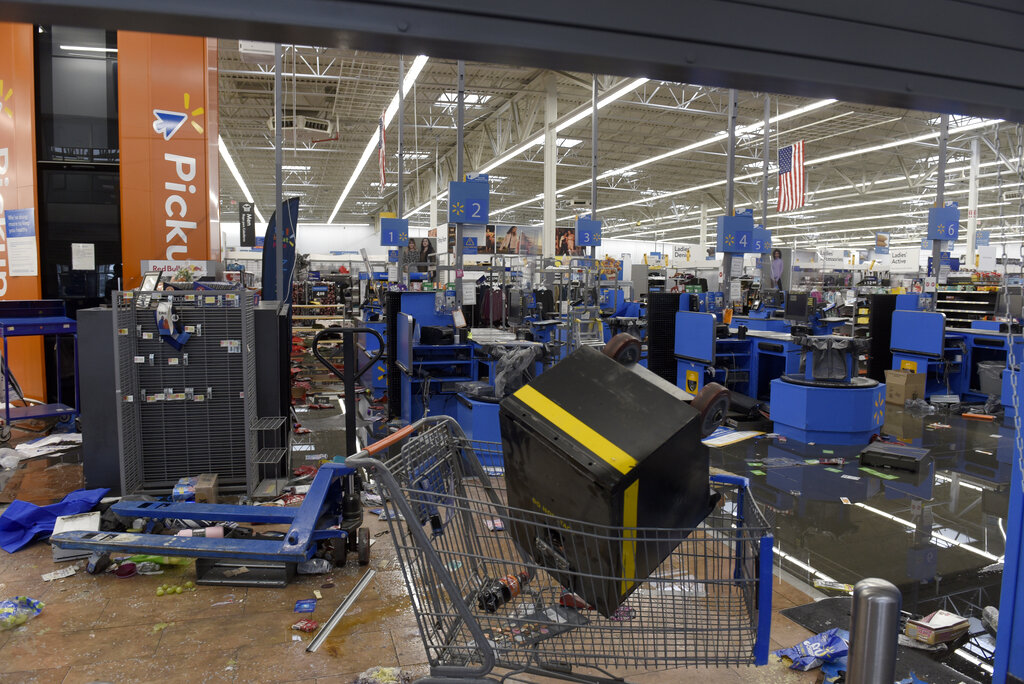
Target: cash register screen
{"type": "Point", "coordinates": [798, 307]}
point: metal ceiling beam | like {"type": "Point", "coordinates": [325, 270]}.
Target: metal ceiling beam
{"type": "Point", "coordinates": [936, 55]}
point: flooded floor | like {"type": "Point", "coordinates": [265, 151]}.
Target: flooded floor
{"type": "Point", "coordinates": [103, 629]}
{"type": "Point", "coordinates": [935, 533]}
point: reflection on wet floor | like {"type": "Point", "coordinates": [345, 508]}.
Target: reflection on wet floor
{"type": "Point", "coordinates": [931, 533]}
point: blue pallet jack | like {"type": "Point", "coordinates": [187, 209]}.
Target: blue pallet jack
{"type": "Point", "coordinates": [328, 523]}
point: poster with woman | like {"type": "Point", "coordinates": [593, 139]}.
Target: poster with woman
{"type": "Point", "coordinates": [565, 242]}
{"type": "Point", "coordinates": [530, 240]}
{"type": "Point", "coordinates": [778, 268]}
{"type": "Point", "coordinates": [508, 239]}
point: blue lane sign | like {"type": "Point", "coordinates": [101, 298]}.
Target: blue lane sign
{"type": "Point", "coordinates": [394, 232]}
{"type": "Point", "coordinates": [762, 239]}
{"type": "Point", "coordinates": [469, 245]}
{"type": "Point", "coordinates": [736, 233]}
{"type": "Point", "coordinates": [588, 233]}
{"type": "Point", "coordinates": [944, 222]}
{"type": "Point", "coordinates": [469, 202]}
{"type": "Point", "coordinates": [981, 238]}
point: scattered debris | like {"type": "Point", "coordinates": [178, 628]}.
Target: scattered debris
{"type": "Point", "coordinates": [384, 675]}
{"type": "Point", "coordinates": [126, 570]}
{"type": "Point", "coordinates": [314, 566]}
{"type": "Point", "coordinates": [939, 627]}
{"type": "Point", "coordinates": [826, 585]}
{"type": "Point", "coordinates": [829, 647]}
{"type": "Point", "coordinates": [59, 574]}
{"type": "Point", "coordinates": [306, 625]}
{"type": "Point", "coordinates": [161, 626]}
{"type": "Point", "coordinates": [16, 611]}
{"type": "Point", "coordinates": [305, 605]}
{"type": "Point", "coordinates": [234, 572]}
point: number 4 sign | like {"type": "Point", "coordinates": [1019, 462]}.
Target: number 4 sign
{"type": "Point", "coordinates": [736, 233]}
{"type": "Point", "coordinates": [469, 202]}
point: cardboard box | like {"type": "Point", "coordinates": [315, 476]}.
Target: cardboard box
{"type": "Point", "coordinates": [902, 385]}
{"type": "Point", "coordinates": [939, 627]}
{"type": "Point", "coordinates": [206, 488]}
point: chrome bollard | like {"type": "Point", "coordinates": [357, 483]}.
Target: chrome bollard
{"type": "Point", "coordinates": [874, 632]}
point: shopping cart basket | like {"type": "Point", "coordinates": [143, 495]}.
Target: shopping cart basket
{"type": "Point", "coordinates": [480, 603]}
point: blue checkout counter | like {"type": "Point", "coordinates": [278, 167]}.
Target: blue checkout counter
{"type": "Point", "coordinates": [951, 358]}
{"type": "Point", "coordinates": [745, 365]}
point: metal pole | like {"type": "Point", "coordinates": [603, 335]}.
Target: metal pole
{"type": "Point", "coordinates": [874, 632]}
{"type": "Point", "coordinates": [972, 203]}
{"type": "Point", "coordinates": [730, 161]}
{"type": "Point", "coordinates": [401, 131]}
{"type": "Point", "coordinates": [730, 169]}
{"type": "Point", "coordinates": [459, 145]}
{"type": "Point", "coordinates": [766, 268]}
{"type": "Point", "coordinates": [279, 295]}
{"type": "Point", "coordinates": [593, 161]}
{"type": "Point", "coordinates": [940, 195]}
{"type": "Point", "coordinates": [348, 343]}
{"type": "Point", "coordinates": [404, 269]}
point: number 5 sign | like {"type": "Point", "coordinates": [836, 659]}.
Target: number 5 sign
{"type": "Point", "coordinates": [469, 202]}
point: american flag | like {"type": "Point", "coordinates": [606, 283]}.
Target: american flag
{"type": "Point", "coordinates": [791, 177]}
{"type": "Point", "coordinates": [381, 153]}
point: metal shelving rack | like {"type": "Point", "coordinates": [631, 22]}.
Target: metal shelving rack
{"type": "Point", "coordinates": [964, 306]}
{"type": "Point", "coordinates": [183, 412]}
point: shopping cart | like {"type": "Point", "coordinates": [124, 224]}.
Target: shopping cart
{"type": "Point", "coordinates": [480, 603]}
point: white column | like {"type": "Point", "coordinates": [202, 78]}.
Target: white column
{"type": "Point", "coordinates": [550, 157]}
{"type": "Point", "coordinates": [972, 204]}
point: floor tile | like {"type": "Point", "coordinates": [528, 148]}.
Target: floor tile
{"type": "Point", "coordinates": [205, 667]}
{"type": "Point", "coordinates": [59, 649]}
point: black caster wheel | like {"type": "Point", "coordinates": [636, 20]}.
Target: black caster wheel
{"type": "Point", "coordinates": [338, 551]}
{"type": "Point", "coordinates": [624, 348]}
{"type": "Point", "coordinates": [65, 418]}
{"type": "Point", "coordinates": [713, 403]}
{"type": "Point", "coordinates": [363, 545]}
{"type": "Point", "coordinates": [5, 433]}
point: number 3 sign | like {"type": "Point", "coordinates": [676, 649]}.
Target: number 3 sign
{"type": "Point", "coordinates": [469, 202]}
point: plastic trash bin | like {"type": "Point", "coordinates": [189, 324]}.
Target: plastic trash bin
{"type": "Point", "coordinates": [990, 377]}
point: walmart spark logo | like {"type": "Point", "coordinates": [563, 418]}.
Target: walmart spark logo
{"type": "Point", "coordinates": [458, 208]}
{"type": "Point", "coordinates": [730, 240]}
{"type": "Point", "coordinates": [167, 122]}
{"type": "Point", "coordinates": [6, 94]}
{"type": "Point", "coordinates": [879, 414]}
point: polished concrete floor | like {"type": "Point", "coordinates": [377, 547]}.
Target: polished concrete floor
{"type": "Point", "coordinates": [934, 533]}
{"type": "Point", "coordinates": [103, 629]}
{"type": "Point", "coordinates": [931, 534]}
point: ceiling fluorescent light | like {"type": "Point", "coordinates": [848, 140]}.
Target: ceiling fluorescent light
{"type": "Point", "coordinates": [86, 48]}
{"type": "Point", "coordinates": [371, 145]}
{"type": "Point", "coordinates": [238, 177]}
{"type": "Point", "coordinates": [718, 137]}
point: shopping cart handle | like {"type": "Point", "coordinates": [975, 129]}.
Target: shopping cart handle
{"type": "Point", "coordinates": [389, 440]}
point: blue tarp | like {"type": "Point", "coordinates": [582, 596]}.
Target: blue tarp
{"type": "Point", "coordinates": [24, 522]}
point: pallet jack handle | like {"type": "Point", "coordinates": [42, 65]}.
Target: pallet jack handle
{"type": "Point", "coordinates": [348, 344]}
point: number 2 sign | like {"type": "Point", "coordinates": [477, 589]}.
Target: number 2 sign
{"type": "Point", "coordinates": [469, 202]}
